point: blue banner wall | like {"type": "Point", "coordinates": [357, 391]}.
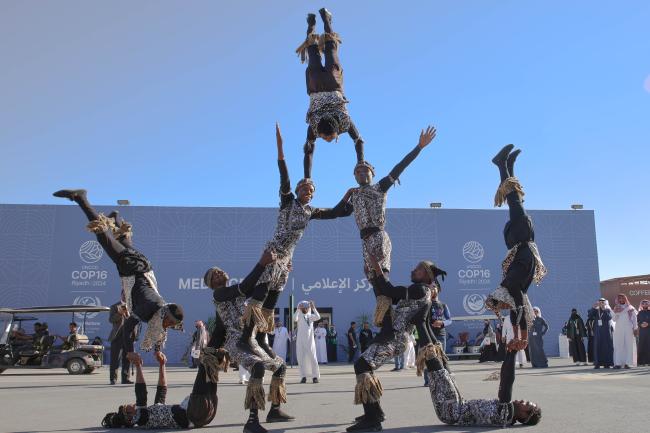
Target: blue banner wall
{"type": "Point", "coordinates": [48, 258]}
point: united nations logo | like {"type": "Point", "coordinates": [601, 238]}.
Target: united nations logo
{"type": "Point", "coordinates": [91, 252]}
{"type": "Point", "coordinates": [473, 252]}
{"type": "Point", "coordinates": [474, 304]}
{"type": "Point", "coordinates": [87, 301]}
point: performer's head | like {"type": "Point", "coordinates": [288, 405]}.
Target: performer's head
{"type": "Point", "coordinates": [305, 191]}
{"type": "Point", "coordinates": [427, 272]}
{"type": "Point", "coordinates": [215, 278]}
{"type": "Point", "coordinates": [173, 317]}
{"type": "Point", "coordinates": [527, 412]}
{"type": "Point", "coordinates": [364, 172]}
{"type": "Point", "coordinates": [327, 128]}
{"type": "Point", "coordinates": [120, 419]}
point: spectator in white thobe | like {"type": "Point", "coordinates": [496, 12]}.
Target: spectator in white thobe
{"type": "Point", "coordinates": [320, 333]}
{"type": "Point", "coordinates": [509, 334]}
{"type": "Point", "coordinates": [305, 316]}
{"type": "Point", "coordinates": [625, 327]}
{"type": "Point", "coordinates": [409, 353]}
{"type": "Point", "coordinates": [281, 340]}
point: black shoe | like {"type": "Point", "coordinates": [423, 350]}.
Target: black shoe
{"type": "Point", "coordinates": [70, 194]}
{"type": "Point", "coordinates": [325, 15]}
{"type": "Point", "coordinates": [617, 367]}
{"type": "Point", "coordinates": [277, 415]}
{"type": "Point", "coordinates": [395, 369]}
{"type": "Point", "coordinates": [501, 157]}
{"type": "Point", "coordinates": [311, 20]}
{"type": "Point", "coordinates": [510, 162]}
{"type": "Point", "coordinates": [303, 380]}
{"type": "Point", "coordinates": [360, 418]}
{"type": "Point", "coordinates": [254, 427]}
{"type": "Point", "coordinates": [112, 381]}
{"type": "Point", "coordinates": [607, 367]}
{"type": "Point", "coordinates": [596, 367]}
{"type": "Point", "coordinates": [365, 425]}
{"type": "Point", "coordinates": [314, 380]}
{"type": "Point", "coordinates": [127, 382]}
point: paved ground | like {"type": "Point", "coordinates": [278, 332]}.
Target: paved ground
{"type": "Point", "coordinates": [574, 399]}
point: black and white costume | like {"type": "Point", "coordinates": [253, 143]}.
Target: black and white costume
{"type": "Point", "coordinates": [230, 305]}
{"type": "Point", "coordinates": [368, 203]}
{"type": "Point", "coordinates": [325, 88]}
{"type": "Point", "coordinates": [139, 286]}
{"type": "Point", "coordinates": [523, 263]}
{"type": "Point", "coordinates": [452, 409]}
{"type": "Point", "coordinates": [293, 218]}
{"type": "Point", "coordinates": [409, 314]}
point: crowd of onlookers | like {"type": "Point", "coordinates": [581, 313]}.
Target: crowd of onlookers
{"type": "Point", "coordinates": [617, 337]}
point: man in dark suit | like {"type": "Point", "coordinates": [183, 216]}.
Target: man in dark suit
{"type": "Point", "coordinates": [352, 342]}
{"type": "Point", "coordinates": [365, 337]}
{"type": "Point", "coordinates": [117, 317]}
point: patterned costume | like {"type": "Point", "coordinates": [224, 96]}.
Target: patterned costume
{"type": "Point", "coordinates": [143, 301]}
{"type": "Point", "coordinates": [452, 409]}
{"type": "Point", "coordinates": [139, 285]}
{"type": "Point", "coordinates": [368, 203]}
{"type": "Point", "coordinates": [293, 218]}
{"type": "Point", "coordinates": [230, 313]}
{"type": "Point", "coordinates": [523, 263]}
{"type": "Point", "coordinates": [159, 415]}
{"type": "Point", "coordinates": [230, 306]}
{"type": "Point", "coordinates": [409, 314]}
{"type": "Point", "coordinates": [328, 103]}
{"type": "Point", "coordinates": [405, 313]}
{"type": "Point", "coordinates": [325, 88]}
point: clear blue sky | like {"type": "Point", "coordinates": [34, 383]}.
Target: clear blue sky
{"type": "Point", "coordinates": [174, 103]}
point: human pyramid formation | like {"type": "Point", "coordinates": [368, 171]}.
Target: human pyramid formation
{"type": "Point", "coordinates": [244, 312]}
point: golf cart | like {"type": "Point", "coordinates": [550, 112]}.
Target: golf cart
{"type": "Point", "coordinates": [39, 352]}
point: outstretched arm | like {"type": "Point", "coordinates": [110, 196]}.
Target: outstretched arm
{"type": "Point", "coordinates": [426, 137]}
{"type": "Point", "coordinates": [310, 145]}
{"type": "Point", "coordinates": [384, 287]}
{"type": "Point", "coordinates": [161, 390]}
{"type": "Point", "coordinates": [285, 184]}
{"type": "Point", "coordinates": [250, 281]}
{"type": "Point", "coordinates": [358, 141]}
{"type": "Point", "coordinates": [342, 209]}
{"type": "Point", "coordinates": [507, 377]}
{"type": "Point", "coordinates": [140, 385]}
{"type": "Point", "coordinates": [248, 284]}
